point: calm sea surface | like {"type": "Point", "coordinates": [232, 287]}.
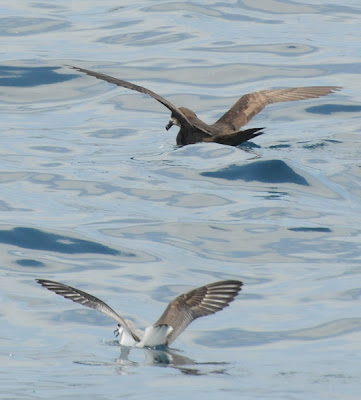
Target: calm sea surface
{"type": "Point", "coordinates": [94, 193]}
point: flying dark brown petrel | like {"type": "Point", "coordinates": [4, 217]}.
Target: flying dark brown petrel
{"type": "Point", "coordinates": [227, 129]}
{"type": "Point", "coordinates": [180, 312]}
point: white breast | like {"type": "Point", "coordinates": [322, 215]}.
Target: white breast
{"type": "Point", "coordinates": [155, 336]}
{"type": "Point", "coordinates": [125, 339]}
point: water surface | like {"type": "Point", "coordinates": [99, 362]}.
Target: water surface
{"type": "Point", "coordinates": [94, 193]}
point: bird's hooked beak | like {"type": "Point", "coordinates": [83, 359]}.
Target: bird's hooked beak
{"type": "Point", "coordinates": [169, 125]}
{"type": "Point", "coordinates": [173, 121]}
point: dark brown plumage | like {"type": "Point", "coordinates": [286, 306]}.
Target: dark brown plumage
{"type": "Point", "coordinates": [227, 129]}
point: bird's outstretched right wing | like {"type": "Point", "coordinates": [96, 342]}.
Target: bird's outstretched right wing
{"type": "Point", "coordinates": [252, 103]}
{"type": "Point", "coordinates": [175, 110]}
{"type": "Point", "coordinates": [87, 300]}
{"type": "Point", "coordinates": [199, 302]}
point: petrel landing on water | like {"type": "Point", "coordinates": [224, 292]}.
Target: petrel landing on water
{"type": "Point", "coordinates": [180, 312]}
{"type": "Point", "coordinates": [227, 129]}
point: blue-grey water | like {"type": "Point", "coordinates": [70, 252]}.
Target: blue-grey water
{"type": "Point", "coordinates": [95, 194]}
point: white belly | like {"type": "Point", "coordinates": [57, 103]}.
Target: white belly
{"type": "Point", "coordinates": [153, 336]}
{"type": "Point", "coordinates": [125, 339]}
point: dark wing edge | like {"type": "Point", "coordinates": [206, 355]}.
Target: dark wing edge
{"type": "Point", "coordinates": [200, 302]}
{"type": "Point", "coordinates": [236, 138]}
{"type": "Point", "coordinates": [85, 299]}
{"type": "Point", "coordinates": [252, 103]}
{"type": "Point", "coordinates": [132, 86]}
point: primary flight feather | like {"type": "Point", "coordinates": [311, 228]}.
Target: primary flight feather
{"type": "Point", "coordinates": [180, 312]}
{"type": "Point", "coordinates": [227, 130]}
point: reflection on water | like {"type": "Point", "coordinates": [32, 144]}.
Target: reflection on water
{"type": "Point", "coordinates": [237, 337]}
{"type": "Point", "coordinates": [94, 191]}
{"type": "Point", "coordinates": [31, 76]}
{"type": "Point", "coordinates": [280, 49]}
{"type": "Point", "coordinates": [18, 26]}
{"type": "Point", "coordinates": [328, 109]}
{"type": "Point", "coordinates": [210, 10]}
{"type": "Point", "coordinates": [262, 241]}
{"type": "Point", "coordinates": [31, 238]}
{"type": "Point", "coordinates": [165, 357]}
{"type": "Point", "coordinates": [150, 38]}
{"type": "Point", "coordinates": [270, 171]}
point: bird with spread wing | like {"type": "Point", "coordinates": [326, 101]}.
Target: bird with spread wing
{"type": "Point", "coordinates": [227, 130]}
{"type": "Point", "coordinates": [180, 312]}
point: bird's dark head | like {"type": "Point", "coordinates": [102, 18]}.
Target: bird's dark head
{"type": "Point", "coordinates": [189, 114]}
{"type": "Point", "coordinates": [172, 121]}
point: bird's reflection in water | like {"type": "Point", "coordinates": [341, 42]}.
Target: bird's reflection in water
{"type": "Point", "coordinates": [163, 356]}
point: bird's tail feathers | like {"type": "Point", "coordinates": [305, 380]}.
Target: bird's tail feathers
{"type": "Point", "coordinates": [236, 138]}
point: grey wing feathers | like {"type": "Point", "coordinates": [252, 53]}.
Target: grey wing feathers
{"type": "Point", "coordinates": [179, 115]}
{"type": "Point", "coordinates": [251, 104]}
{"type": "Point", "coordinates": [197, 303]}
{"type": "Point", "coordinates": [86, 299]}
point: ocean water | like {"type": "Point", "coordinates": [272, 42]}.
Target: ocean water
{"type": "Point", "coordinates": [95, 194]}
